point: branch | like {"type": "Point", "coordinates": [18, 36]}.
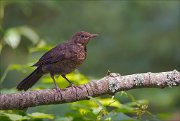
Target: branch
{"type": "Point", "coordinates": [109, 84]}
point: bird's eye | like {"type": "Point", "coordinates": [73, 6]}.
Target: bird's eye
{"type": "Point", "coordinates": [82, 36]}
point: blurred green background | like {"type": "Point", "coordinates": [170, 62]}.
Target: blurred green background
{"type": "Point", "coordinates": [134, 37]}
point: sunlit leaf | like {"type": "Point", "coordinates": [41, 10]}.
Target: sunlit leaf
{"type": "Point", "coordinates": [17, 67]}
{"type": "Point", "coordinates": [15, 117]}
{"type": "Point", "coordinates": [83, 111]}
{"type": "Point", "coordinates": [97, 110]}
{"type": "Point", "coordinates": [110, 102]}
{"type": "Point", "coordinates": [96, 101]}
{"type": "Point", "coordinates": [125, 109]}
{"type": "Point", "coordinates": [12, 37]}
{"type": "Point", "coordinates": [75, 77]}
{"type": "Point", "coordinates": [40, 48]}
{"type": "Point", "coordinates": [86, 104]}
{"type": "Point", "coordinates": [41, 115]}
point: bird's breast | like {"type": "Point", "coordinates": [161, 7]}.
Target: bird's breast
{"type": "Point", "coordinates": [81, 55]}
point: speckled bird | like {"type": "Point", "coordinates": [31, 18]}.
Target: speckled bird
{"type": "Point", "coordinates": [60, 60]}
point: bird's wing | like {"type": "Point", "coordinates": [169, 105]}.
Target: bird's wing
{"type": "Point", "coordinates": [52, 56]}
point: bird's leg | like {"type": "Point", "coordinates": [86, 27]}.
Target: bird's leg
{"type": "Point", "coordinates": [52, 76]}
{"type": "Point", "coordinates": [70, 83]}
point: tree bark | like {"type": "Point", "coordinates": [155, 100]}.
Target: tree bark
{"type": "Point", "coordinates": [110, 84]}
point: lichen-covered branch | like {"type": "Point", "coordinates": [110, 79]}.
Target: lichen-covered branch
{"type": "Point", "coordinates": [109, 84]}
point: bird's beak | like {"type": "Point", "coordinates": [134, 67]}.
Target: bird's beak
{"type": "Point", "coordinates": [93, 35]}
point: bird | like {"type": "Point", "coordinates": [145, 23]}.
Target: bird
{"type": "Point", "coordinates": [60, 60]}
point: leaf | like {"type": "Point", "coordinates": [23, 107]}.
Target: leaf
{"type": "Point", "coordinates": [40, 48]}
{"type": "Point", "coordinates": [64, 119]}
{"type": "Point", "coordinates": [110, 102]}
{"type": "Point", "coordinates": [4, 118]}
{"type": "Point", "coordinates": [85, 104]}
{"type": "Point", "coordinates": [96, 101]}
{"type": "Point", "coordinates": [41, 115]}
{"type": "Point", "coordinates": [76, 76]}
{"type": "Point", "coordinates": [113, 116]}
{"type": "Point", "coordinates": [97, 110]}
{"type": "Point", "coordinates": [15, 117]}
{"type": "Point", "coordinates": [29, 33]}
{"type": "Point", "coordinates": [17, 67]}
{"type": "Point", "coordinates": [125, 109]}
{"type": "Point", "coordinates": [138, 103]}
{"type": "Point", "coordinates": [12, 37]}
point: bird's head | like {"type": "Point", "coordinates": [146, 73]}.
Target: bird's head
{"type": "Point", "coordinates": [82, 37]}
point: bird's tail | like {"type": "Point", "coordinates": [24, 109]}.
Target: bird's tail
{"type": "Point", "coordinates": [29, 81]}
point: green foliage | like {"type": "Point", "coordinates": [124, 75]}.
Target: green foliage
{"type": "Point", "coordinates": [20, 116]}
{"type": "Point", "coordinates": [12, 36]}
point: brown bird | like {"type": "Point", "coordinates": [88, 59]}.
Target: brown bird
{"type": "Point", "coordinates": [60, 60]}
